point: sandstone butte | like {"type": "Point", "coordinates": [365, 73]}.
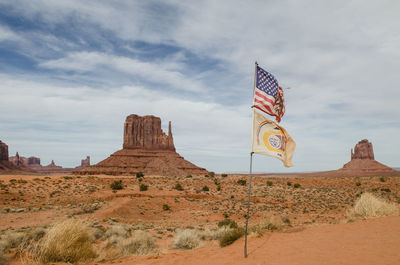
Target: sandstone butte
{"type": "Point", "coordinates": [147, 149]}
{"type": "Point", "coordinates": [5, 164]}
{"type": "Point", "coordinates": [363, 160]}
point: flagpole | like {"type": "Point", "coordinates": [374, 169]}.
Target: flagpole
{"type": "Point", "coordinates": [251, 168]}
{"type": "Point", "coordinates": [248, 206]}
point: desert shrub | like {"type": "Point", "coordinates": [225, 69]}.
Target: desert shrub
{"type": "Point", "coordinates": [206, 176]}
{"type": "Point", "coordinates": [242, 182]}
{"type": "Point", "coordinates": [218, 187]}
{"type": "Point", "coordinates": [382, 179]}
{"type": "Point", "coordinates": [186, 239]}
{"type": "Point", "coordinates": [139, 175]}
{"type": "Point", "coordinates": [370, 206]}
{"type": "Point", "coordinates": [269, 183]}
{"type": "Point", "coordinates": [230, 236]}
{"type": "Point", "coordinates": [166, 207]}
{"type": "Point", "coordinates": [227, 222]}
{"type": "Point", "coordinates": [143, 187]}
{"type": "Point", "coordinates": [68, 242]}
{"type": "Point", "coordinates": [205, 188]}
{"type": "Point", "coordinates": [178, 186]}
{"type": "Point", "coordinates": [117, 185]}
{"type": "Point", "coordinates": [118, 231]}
{"type": "Point", "coordinates": [224, 175]}
{"type": "Point", "coordinates": [296, 185]}
{"type": "Point", "coordinates": [358, 184]}
{"type": "Point", "coordinates": [211, 174]}
{"type": "Point", "coordinates": [189, 176]}
{"type": "Point", "coordinates": [141, 243]}
{"type": "Point", "coordinates": [214, 234]}
{"type": "Point", "coordinates": [289, 183]}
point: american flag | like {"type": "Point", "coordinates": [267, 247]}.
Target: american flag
{"type": "Point", "coordinates": [268, 95]}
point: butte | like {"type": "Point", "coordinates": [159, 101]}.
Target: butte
{"type": "Point", "coordinates": [146, 149]}
{"type": "Point", "coordinates": [363, 160]}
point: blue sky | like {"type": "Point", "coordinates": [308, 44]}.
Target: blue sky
{"type": "Point", "coordinates": [71, 71]}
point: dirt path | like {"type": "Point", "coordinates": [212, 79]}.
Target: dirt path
{"type": "Point", "coordinates": [374, 241]}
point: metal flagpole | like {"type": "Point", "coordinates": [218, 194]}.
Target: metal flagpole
{"type": "Point", "coordinates": [250, 171]}
{"type": "Point", "coordinates": [248, 206]}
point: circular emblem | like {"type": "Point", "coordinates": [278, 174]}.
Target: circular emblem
{"type": "Point", "coordinates": [274, 141]}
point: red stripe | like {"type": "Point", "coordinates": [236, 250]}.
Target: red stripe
{"type": "Point", "coordinates": [264, 97]}
{"type": "Point", "coordinates": [262, 104]}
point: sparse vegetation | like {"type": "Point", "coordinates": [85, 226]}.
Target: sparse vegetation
{"type": "Point", "coordinates": [186, 239]}
{"type": "Point", "coordinates": [117, 185]}
{"type": "Point", "coordinates": [227, 222]}
{"type": "Point", "coordinates": [230, 236]}
{"type": "Point", "coordinates": [166, 207]}
{"type": "Point", "coordinates": [224, 175]}
{"type": "Point", "coordinates": [358, 183]}
{"type": "Point", "coordinates": [205, 188]}
{"type": "Point", "coordinates": [143, 187]}
{"type": "Point", "coordinates": [269, 183]}
{"type": "Point", "coordinates": [289, 183]}
{"type": "Point", "coordinates": [296, 185]}
{"type": "Point", "coordinates": [178, 186]}
{"type": "Point", "coordinates": [139, 175]}
{"type": "Point", "coordinates": [242, 182]}
{"type": "Point", "coordinates": [382, 179]}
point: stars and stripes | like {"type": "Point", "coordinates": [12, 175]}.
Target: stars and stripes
{"type": "Point", "coordinates": [268, 95]}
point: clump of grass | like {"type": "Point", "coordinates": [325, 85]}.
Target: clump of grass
{"type": "Point", "coordinates": [358, 183]}
{"type": "Point", "coordinates": [382, 179]}
{"type": "Point", "coordinates": [269, 183]}
{"type": "Point", "coordinates": [166, 207]}
{"type": "Point", "coordinates": [186, 239]}
{"type": "Point", "coordinates": [68, 242]}
{"type": "Point", "coordinates": [178, 186]}
{"type": "Point", "coordinates": [141, 243]}
{"type": "Point", "coordinates": [117, 185]}
{"type": "Point", "coordinates": [230, 236]}
{"type": "Point", "coordinates": [205, 188]}
{"type": "Point", "coordinates": [227, 222]}
{"type": "Point", "coordinates": [143, 187]}
{"type": "Point", "coordinates": [289, 183]}
{"type": "Point", "coordinates": [224, 175]}
{"type": "Point", "coordinates": [189, 176]}
{"type": "Point", "coordinates": [211, 174]}
{"type": "Point", "coordinates": [296, 185]}
{"type": "Point", "coordinates": [139, 175]}
{"type": "Point", "coordinates": [242, 182]}
{"type": "Point", "coordinates": [368, 206]}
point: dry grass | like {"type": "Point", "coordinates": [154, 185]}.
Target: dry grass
{"type": "Point", "coordinates": [368, 206]}
{"type": "Point", "coordinates": [66, 242]}
{"type": "Point", "coordinates": [187, 239]}
{"type": "Point", "coordinates": [125, 244]}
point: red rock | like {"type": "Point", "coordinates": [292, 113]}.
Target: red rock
{"type": "Point", "coordinates": [363, 150]}
{"type": "Point", "coordinates": [147, 149]}
{"type": "Point", "coordinates": [362, 160]}
{"type": "Point", "coordinates": [85, 162]}
{"type": "Point", "coordinates": [3, 151]}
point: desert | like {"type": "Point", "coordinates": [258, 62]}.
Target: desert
{"type": "Point", "coordinates": [167, 132]}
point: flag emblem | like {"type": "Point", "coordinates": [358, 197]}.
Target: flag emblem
{"type": "Point", "coordinates": [268, 95]}
{"type": "Point", "coordinates": [271, 139]}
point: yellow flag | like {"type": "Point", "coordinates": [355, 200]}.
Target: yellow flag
{"type": "Point", "coordinates": [268, 138]}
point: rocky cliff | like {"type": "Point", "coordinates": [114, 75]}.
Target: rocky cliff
{"type": "Point", "coordinates": [3, 151]}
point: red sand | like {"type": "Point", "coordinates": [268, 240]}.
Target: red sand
{"type": "Point", "coordinates": [374, 241]}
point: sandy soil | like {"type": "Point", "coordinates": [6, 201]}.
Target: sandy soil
{"type": "Point", "coordinates": [373, 241]}
{"type": "Point", "coordinates": [314, 206]}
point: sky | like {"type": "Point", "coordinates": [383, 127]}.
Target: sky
{"type": "Point", "coordinates": [71, 71]}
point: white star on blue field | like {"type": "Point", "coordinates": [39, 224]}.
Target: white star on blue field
{"type": "Point", "coordinates": [71, 71]}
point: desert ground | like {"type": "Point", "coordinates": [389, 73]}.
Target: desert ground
{"type": "Point", "coordinates": [294, 219]}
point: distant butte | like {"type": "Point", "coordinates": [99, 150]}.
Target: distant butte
{"type": "Point", "coordinates": [147, 149]}
{"type": "Point", "coordinates": [363, 160]}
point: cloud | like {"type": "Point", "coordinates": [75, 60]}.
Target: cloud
{"type": "Point", "coordinates": [192, 63]}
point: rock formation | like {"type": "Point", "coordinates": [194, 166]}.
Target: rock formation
{"type": "Point", "coordinates": [147, 149]}
{"type": "Point", "coordinates": [3, 151]}
{"type": "Point", "coordinates": [363, 160]}
{"type": "Point", "coordinates": [85, 162]}
{"type": "Point", "coordinates": [25, 161]}
{"type": "Point", "coordinates": [363, 150]}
